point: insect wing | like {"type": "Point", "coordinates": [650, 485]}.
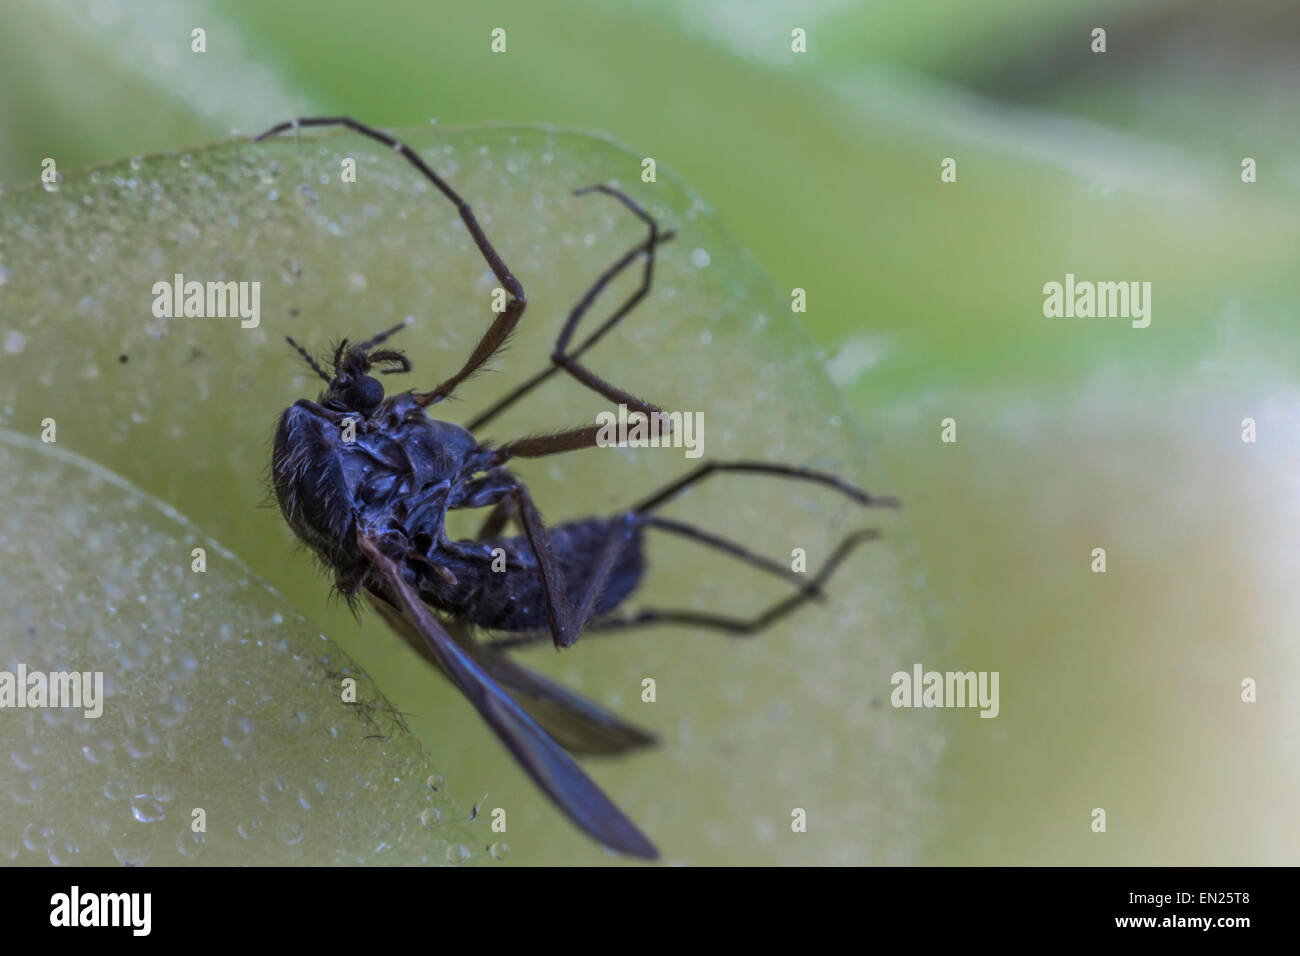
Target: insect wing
{"type": "Point", "coordinates": [578, 725]}
{"type": "Point", "coordinates": [553, 770]}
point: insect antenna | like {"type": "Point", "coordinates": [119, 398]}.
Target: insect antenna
{"type": "Point", "coordinates": [307, 357]}
{"type": "Point", "coordinates": [391, 357]}
{"type": "Point", "coordinates": [338, 354]}
{"type": "Point", "coordinates": [370, 343]}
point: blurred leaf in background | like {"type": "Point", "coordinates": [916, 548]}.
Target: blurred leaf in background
{"type": "Point", "coordinates": [927, 296]}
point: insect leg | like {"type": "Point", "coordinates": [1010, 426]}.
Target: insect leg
{"type": "Point", "coordinates": [646, 249]}
{"type": "Point", "coordinates": [496, 520]}
{"type": "Point", "coordinates": [563, 634]}
{"type": "Point", "coordinates": [542, 445]}
{"type": "Point", "coordinates": [736, 626]}
{"type": "Point", "coordinates": [763, 468]}
{"type": "Point", "coordinates": [621, 531]}
{"type": "Point", "coordinates": [575, 617]}
{"type": "Point", "coordinates": [568, 620]}
{"type": "Point", "coordinates": [505, 322]}
{"type": "Point", "coordinates": [730, 547]}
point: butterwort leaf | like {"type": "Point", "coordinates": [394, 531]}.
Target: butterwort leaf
{"type": "Point", "coordinates": [333, 236]}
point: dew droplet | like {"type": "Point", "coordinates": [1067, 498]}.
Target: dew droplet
{"type": "Point", "coordinates": [273, 790]}
{"type": "Point", "coordinates": [700, 258]}
{"type": "Point", "coordinates": [115, 789]}
{"type": "Point", "coordinates": [15, 342]}
{"type": "Point", "coordinates": [458, 854]}
{"type": "Point", "coordinates": [291, 833]}
{"type": "Point", "coordinates": [190, 844]}
{"type": "Point", "coordinates": [36, 837]}
{"type": "Point", "coordinates": [237, 732]}
{"type": "Point", "coordinates": [142, 743]}
{"type": "Point", "coordinates": [147, 809]}
{"type": "Point", "coordinates": [97, 750]}
{"type": "Point", "coordinates": [435, 781]}
{"type": "Point", "coordinates": [250, 829]}
{"type": "Point", "coordinates": [25, 755]}
{"type": "Point", "coordinates": [430, 816]}
{"type": "Point", "coordinates": [133, 853]}
{"type": "Point", "coordinates": [63, 852]}
{"type": "Point", "coordinates": [136, 162]}
{"type": "Point", "coordinates": [499, 850]}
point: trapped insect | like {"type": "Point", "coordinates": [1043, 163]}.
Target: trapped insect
{"type": "Point", "coordinates": [366, 480]}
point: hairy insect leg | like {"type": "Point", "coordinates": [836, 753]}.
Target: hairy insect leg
{"type": "Point", "coordinates": [735, 626]}
{"type": "Point", "coordinates": [505, 322]}
{"type": "Point", "coordinates": [539, 446]}
{"type": "Point", "coordinates": [560, 360]}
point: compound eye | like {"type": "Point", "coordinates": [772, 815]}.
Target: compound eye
{"type": "Point", "coordinates": [364, 394]}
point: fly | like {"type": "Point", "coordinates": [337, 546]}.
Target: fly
{"type": "Point", "coordinates": [366, 480]}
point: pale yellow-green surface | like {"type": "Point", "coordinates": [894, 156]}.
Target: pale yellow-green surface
{"type": "Point", "coordinates": [222, 705]}
{"type": "Point", "coordinates": [797, 718]}
{"type": "Point", "coordinates": [1123, 690]}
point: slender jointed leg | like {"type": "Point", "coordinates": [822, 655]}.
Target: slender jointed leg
{"type": "Point", "coordinates": [740, 627]}
{"type": "Point", "coordinates": [763, 468]}
{"type": "Point", "coordinates": [809, 590]}
{"type": "Point", "coordinates": [496, 520]}
{"type": "Point", "coordinates": [736, 626]}
{"type": "Point", "coordinates": [542, 445]}
{"type": "Point", "coordinates": [554, 591]}
{"type": "Point", "coordinates": [567, 621]}
{"type": "Point", "coordinates": [729, 547]}
{"type": "Point", "coordinates": [621, 532]}
{"type": "Point", "coordinates": [569, 361]}
{"type": "Point", "coordinates": [506, 320]}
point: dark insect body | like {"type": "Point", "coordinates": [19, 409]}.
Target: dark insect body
{"type": "Point", "coordinates": [366, 481]}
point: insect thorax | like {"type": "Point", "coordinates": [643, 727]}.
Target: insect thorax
{"type": "Point", "coordinates": [331, 469]}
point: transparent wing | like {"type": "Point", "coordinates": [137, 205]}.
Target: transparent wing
{"type": "Point", "coordinates": [553, 770]}
{"type": "Point", "coordinates": [578, 725]}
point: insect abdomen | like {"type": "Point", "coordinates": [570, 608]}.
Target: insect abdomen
{"type": "Point", "coordinates": [513, 599]}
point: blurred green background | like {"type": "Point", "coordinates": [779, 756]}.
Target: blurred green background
{"type": "Point", "coordinates": [1119, 691]}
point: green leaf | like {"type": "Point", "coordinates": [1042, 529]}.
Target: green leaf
{"type": "Point", "coordinates": [218, 706]}
{"type": "Point", "coordinates": [185, 407]}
